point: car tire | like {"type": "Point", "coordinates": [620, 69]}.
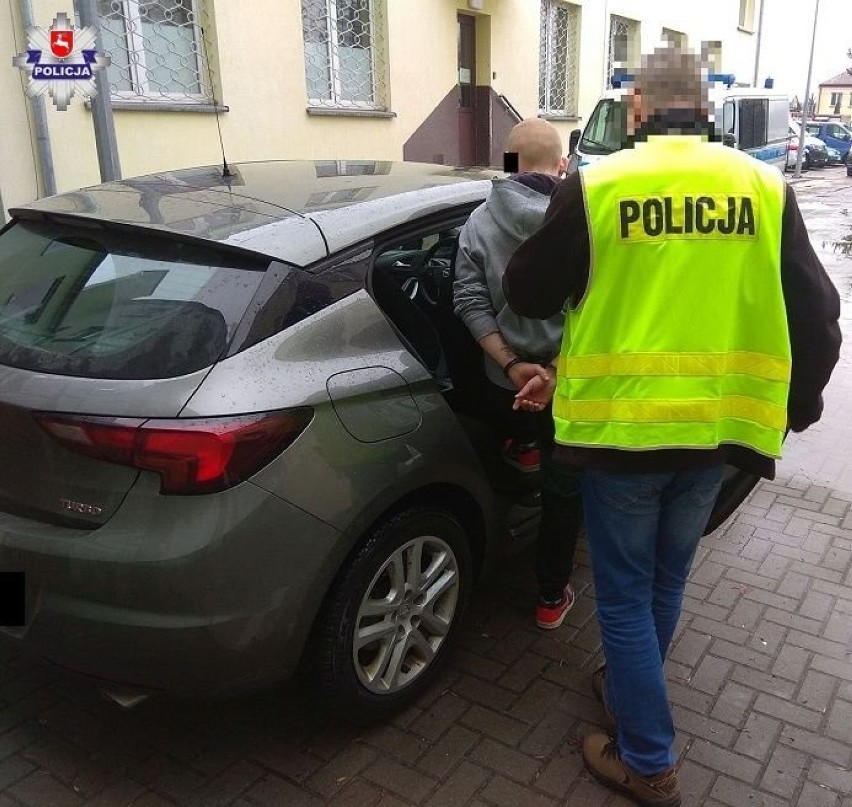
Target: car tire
{"type": "Point", "coordinates": [389, 622]}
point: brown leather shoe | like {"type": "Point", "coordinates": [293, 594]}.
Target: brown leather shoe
{"type": "Point", "coordinates": [600, 693]}
{"type": "Point", "coordinates": [603, 761]}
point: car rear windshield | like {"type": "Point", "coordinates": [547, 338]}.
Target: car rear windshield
{"type": "Point", "coordinates": [98, 303]}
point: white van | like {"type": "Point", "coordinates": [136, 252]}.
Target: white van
{"type": "Point", "coordinates": [754, 120]}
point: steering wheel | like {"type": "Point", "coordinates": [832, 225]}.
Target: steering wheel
{"type": "Point", "coordinates": [429, 287]}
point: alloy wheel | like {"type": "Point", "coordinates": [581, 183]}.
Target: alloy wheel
{"type": "Point", "coordinates": [405, 614]}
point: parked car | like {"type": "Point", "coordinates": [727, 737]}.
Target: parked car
{"type": "Point", "coordinates": [240, 430]}
{"type": "Point", "coordinates": [734, 110]}
{"type": "Point", "coordinates": [833, 134]}
{"type": "Point", "coordinates": [815, 154]}
{"type": "Point", "coordinates": [834, 156]}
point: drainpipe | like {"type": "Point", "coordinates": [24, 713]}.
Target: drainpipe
{"type": "Point", "coordinates": [105, 139]}
{"type": "Point", "coordinates": [42, 135]}
{"type": "Point", "coordinates": [757, 49]}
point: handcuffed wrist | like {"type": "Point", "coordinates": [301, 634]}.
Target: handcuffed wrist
{"type": "Point", "coordinates": [510, 364]}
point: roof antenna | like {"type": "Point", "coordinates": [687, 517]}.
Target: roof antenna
{"type": "Point", "coordinates": [226, 171]}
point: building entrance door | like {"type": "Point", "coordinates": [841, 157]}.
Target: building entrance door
{"type": "Point", "coordinates": [467, 89]}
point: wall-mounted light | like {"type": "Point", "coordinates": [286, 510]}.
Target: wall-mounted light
{"type": "Point", "coordinates": [476, 5]}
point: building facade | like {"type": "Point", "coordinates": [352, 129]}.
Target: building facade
{"type": "Point", "coordinates": [835, 97]}
{"type": "Point", "coordinates": [431, 80]}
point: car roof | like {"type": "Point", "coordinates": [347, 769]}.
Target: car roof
{"type": "Point", "coordinates": [292, 210]}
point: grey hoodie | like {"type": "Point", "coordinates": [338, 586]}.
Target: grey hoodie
{"type": "Point", "coordinates": [510, 215]}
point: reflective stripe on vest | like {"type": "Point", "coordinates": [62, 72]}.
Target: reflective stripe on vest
{"type": "Point", "coordinates": [679, 364]}
{"type": "Point", "coordinates": [681, 339]}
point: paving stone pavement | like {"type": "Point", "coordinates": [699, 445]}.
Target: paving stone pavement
{"type": "Point", "coordinates": [760, 676]}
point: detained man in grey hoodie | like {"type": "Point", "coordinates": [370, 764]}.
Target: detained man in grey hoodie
{"type": "Point", "coordinates": [516, 348]}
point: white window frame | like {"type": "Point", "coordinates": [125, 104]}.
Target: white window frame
{"type": "Point", "coordinates": [336, 101]}
{"type": "Point", "coordinates": [571, 69]}
{"type": "Point", "coordinates": [746, 18]}
{"type": "Point", "coordinates": [140, 88]}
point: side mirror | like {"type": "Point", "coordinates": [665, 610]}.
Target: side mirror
{"type": "Point", "coordinates": [573, 139]}
{"type": "Point", "coordinates": [728, 139]}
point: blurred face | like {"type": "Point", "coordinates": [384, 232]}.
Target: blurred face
{"type": "Point", "coordinates": [639, 111]}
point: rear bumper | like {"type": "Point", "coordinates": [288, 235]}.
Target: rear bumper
{"type": "Point", "coordinates": [218, 598]}
{"type": "Point", "coordinates": [207, 658]}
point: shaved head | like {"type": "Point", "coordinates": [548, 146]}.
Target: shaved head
{"type": "Point", "coordinates": [538, 145]}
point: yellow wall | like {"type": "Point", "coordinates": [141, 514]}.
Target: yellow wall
{"type": "Point", "coordinates": [825, 107]}
{"type": "Point", "coordinates": [261, 77]}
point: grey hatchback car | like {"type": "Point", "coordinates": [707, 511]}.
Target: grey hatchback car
{"type": "Point", "coordinates": [240, 430]}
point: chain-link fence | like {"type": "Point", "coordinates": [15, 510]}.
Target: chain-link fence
{"type": "Point", "coordinates": [558, 58]}
{"type": "Point", "coordinates": [345, 53]}
{"type": "Point", "coordinates": [157, 50]}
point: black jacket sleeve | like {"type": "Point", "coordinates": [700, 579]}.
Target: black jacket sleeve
{"type": "Point", "coordinates": [552, 266]}
{"type": "Point", "coordinates": [813, 311]}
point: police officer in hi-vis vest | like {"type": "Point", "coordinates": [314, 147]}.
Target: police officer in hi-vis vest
{"type": "Point", "coordinates": [700, 326]}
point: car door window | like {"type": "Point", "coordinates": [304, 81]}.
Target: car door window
{"type": "Point", "coordinates": [411, 281]}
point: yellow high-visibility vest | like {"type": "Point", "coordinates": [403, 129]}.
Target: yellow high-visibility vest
{"type": "Point", "coordinates": [681, 340]}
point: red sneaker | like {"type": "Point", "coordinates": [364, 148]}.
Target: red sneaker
{"type": "Point", "coordinates": [551, 615]}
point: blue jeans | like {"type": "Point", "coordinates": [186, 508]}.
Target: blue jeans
{"type": "Point", "coordinates": [643, 530]}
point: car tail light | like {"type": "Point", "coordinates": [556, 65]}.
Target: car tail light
{"type": "Point", "coordinates": [191, 456]}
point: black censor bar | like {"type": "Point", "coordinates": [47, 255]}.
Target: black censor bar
{"type": "Point", "coordinates": [12, 606]}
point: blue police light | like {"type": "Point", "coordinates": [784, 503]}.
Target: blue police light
{"type": "Point", "coordinates": [620, 79]}
{"type": "Point", "coordinates": [727, 79]}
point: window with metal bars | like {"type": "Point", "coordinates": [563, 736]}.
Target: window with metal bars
{"type": "Point", "coordinates": [675, 39]}
{"type": "Point", "coordinates": [157, 50]}
{"type": "Point", "coordinates": [623, 44]}
{"type": "Point", "coordinates": [558, 63]}
{"type": "Point", "coordinates": [344, 53]}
